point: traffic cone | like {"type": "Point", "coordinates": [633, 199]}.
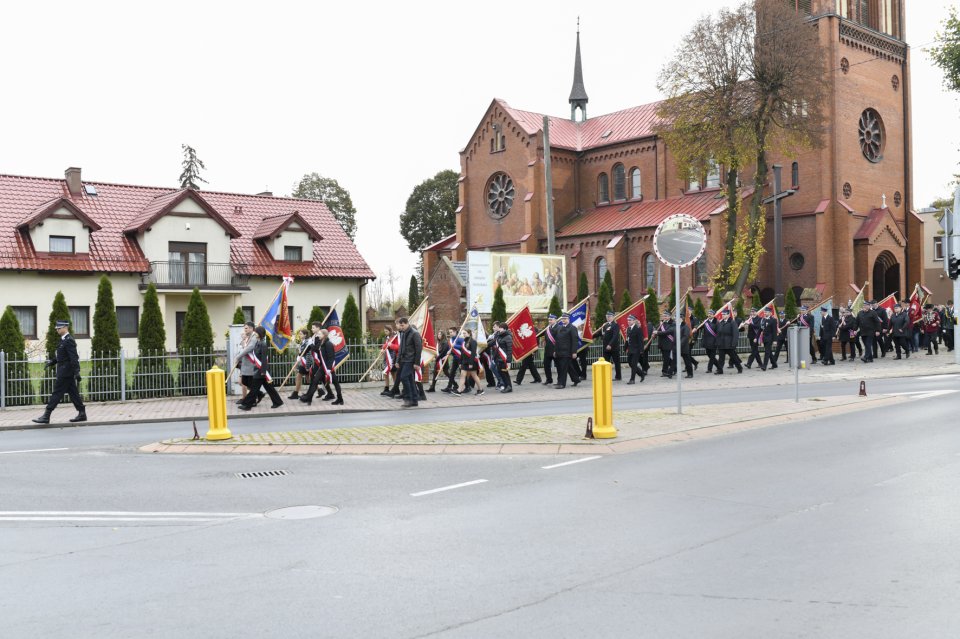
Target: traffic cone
{"type": "Point", "coordinates": [589, 433]}
{"type": "Point", "coordinates": [863, 388]}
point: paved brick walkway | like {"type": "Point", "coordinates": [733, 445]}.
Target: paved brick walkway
{"type": "Point", "coordinates": [555, 434]}
{"type": "Point", "coordinates": [369, 399]}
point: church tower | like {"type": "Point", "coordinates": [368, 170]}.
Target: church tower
{"type": "Point", "coordinates": [578, 94]}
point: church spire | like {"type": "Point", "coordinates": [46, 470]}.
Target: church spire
{"type": "Point", "coordinates": [578, 94]}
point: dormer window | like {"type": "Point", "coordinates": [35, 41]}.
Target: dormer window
{"type": "Point", "coordinates": [63, 244]}
{"type": "Point", "coordinates": [292, 253]}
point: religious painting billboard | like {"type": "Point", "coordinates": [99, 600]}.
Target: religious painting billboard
{"type": "Point", "coordinates": [526, 279]}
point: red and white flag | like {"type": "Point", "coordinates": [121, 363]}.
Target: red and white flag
{"type": "Point", "coordinates": [916, 306]}
{"type": "Point", "coordinates": [524, 335]}
{"type": "Point", "coordinates": [638, 310]}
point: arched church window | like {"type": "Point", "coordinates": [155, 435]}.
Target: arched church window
{"type": "Point", "coordinates": [619, 182]}
{"type": "Point", "coordinates": [713, 174]}
{"type": "Point", "coordinates": [700, 271]}
{"type": "Point", "coordinates": [603, 188]}
{"type": "Point", "coordinates": [635, 189]}
{"type": "Point", "coordinates": [871, 135]}
{"type": "Point", "coordinates": [601, 270]}
{"type": "Point", "coordinates": [795, 175]}
{"type": "Point", "coordinates": [649, 266]}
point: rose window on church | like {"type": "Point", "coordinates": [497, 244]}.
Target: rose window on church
{"type": "Point", "coordinates": [500, 195]}
{"type": "Point", "coordinates": [871, 135]}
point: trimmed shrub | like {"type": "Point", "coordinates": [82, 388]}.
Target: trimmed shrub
{"type": "Point", "coordinates": [498, 311]}
{"type": "Point", "coordinates": [350, 322]}
{"type": "Point", "coordinates": [555, 308]}
{"type": "Point", "coordinates": [238, 316]}
{"type": "Point", "coordinates": [625, 300]}
{"type": "Point", "coordinates": [18, 387]}
{"type": "Point", "coordinates": [152, 376]}
{"type": "Point", "coordinates": [790, 305]}
{"type": "Point", "coordinates": [583, 289]}
{"type": "Point", "coordinates": [60, 311]}
{"type": "Point", "coordinates": [196, 347]}
{"type": "Point", "coordinates": [104, 381]}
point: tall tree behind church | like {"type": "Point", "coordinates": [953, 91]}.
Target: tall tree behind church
{"type": "Point", "coordinates": [430, 212]}
{"type": "Point", "coordinates": [190, 176]}
{"type": "Point", "coordinates": [313, 186]}
{"type": "Point", "coordinates": [742, 83]}
{"type": "Point", "coordinates": [413, 295]}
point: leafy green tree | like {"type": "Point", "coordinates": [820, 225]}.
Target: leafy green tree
{"type": "Point", "coordinates": [352, 328]}
{"type": "Point", "coordinates": [699, 312]}
{"type": "Point", "coordinates": [316, 315]}
{"type": "Point", "coordinates": [152, 377]}
{"type": "Point", "coordinates": [238, 316]}
{"type": "Point", "coordinates": [739, 307]}
{"type": "Point", "coordinates": [625, 300]}
{"type": "Point", "coordinates": [609, 280]}
{"type": "Point", "coordinates": [498, 311]}
{"type": "Point", "coordinates": [790, 304]}
{"type": "Point", "coordinates": [716, 302]}
{"type": "Point", "coordinates": [413, 295]}
{"type": "Point", "coordinates": [672, 300]}
{"type": "Point", "coordinates": [18, 387]}
{"type": "Point", "coordinates": [555, 308]}
{"type": "Point", "coordinates": [583, 289]}
{"type": "Point", "coordinates": [196, 347]}
{"type": "Point", "coordinates": [104, 382]}
{"type": "Point", "coordinates": [604, 300]}
{"type": "Point", "coordinates": [430, 212]}
{"type": "Point", "coordinates": [652, 305]}
{"type": "Point", "coordinates": [755, 300]}
{"type": "Point", "coordinates": [946, 52]}
{"type": "Point", "coordinates": [313, 186]}
{"type": "Point", "coordinates": [190, 175]}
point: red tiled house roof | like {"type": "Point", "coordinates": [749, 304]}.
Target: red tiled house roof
{"type": "Point", "coordinates": [119, 210]}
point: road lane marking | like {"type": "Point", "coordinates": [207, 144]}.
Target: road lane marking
{"type": "Point", "coordinates": [440, 490]}
{"type": "Point", "coordinates": [122, 513]}
{"type": "Point", "coordinates": [112, 519]}
{"type": "Point", "coordinates": [922, 394]}
{"type": "Point", "coordinates": [35, 450]}
{"type": "Point", "coordinates": [567, 463]}
{"type": "Point", "coordinates": [937, 377]}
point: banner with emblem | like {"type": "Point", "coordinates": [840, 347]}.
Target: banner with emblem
{"type": "Point", "coordinates": [768, 310]}
{"type": "Point", "coordinates": [580, 319]}
{"type": "Point", "coordinates": [857, 304]}
{"type": "Point", "coordinates": [335, 334]}
{"type": "Point", "coordinates": [638, 310]}
{"type": "Point", "coordinates": [276, 321]}
{"type": "Point", "coordinates": [525, 341]}
{"type": "Point", "coordinates": [420, 318]}
{"type": "Point", "coordinates": [916, 305]}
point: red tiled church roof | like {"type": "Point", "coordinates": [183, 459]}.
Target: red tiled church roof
{"type": "Point", "coordinates": [872, 222]}
{"type": "Point", "coordinates": [118, 207]}
{"type": "Point", "coordinates": [621, 126]}
{"type": "Point", "coordinates": [637, 215]}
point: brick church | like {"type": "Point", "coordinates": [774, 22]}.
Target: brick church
{"type": "Point", "coordinates": [614, 180]}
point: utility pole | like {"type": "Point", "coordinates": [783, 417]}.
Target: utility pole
{"type": "Point", "coordinates": [551, 241]}
{"type": "Point", "coordinates": [776, 198]}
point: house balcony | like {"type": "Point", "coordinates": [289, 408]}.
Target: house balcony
{"type": "Point", "coordinates": [207, 276]}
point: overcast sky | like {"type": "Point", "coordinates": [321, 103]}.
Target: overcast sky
{"type": "Point", "coordinates": [379, 96]}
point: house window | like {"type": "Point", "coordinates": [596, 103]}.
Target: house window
{"type": "Point", "coordinates": [27, 316]}
{"type": "Point", "coordinates": [700, 271]}
{"type": "Point", "coordinates": [635, 191]}
{"type": "Point", "coordinates": [61, 244]}
{"type": "Point", "coordinates": [619, 183]}
{"type": "Point", "coordinates": [128, 320]}
{"type": "Point", "coordinates": [603, 188]}
{"type": "Point", "coordinates": [649, 267]}
{"type": "Point", "coordinates": [795, 176]}
{"type": "Point", "coordinates": [80, 318]}
{"type": "Point", "coordinates": [247, 313]}
{"type": "Point", "coordinates": [713, 175]}
{"type": "Point", "coordinates": [292, 253]}
{"type": "Point", "coordinates": [938, 248]}
{"type": "Point", "coordinates": [693, 184]}
{"type": "Point", "coordinates": [601, 270]}
{"type": "Point", "coordinates": [188, 263]}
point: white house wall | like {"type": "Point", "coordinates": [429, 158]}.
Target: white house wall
{"type": "Point", "coordinates": [61, 223]}
{"type": "Point", "coordinates": [155, 242]}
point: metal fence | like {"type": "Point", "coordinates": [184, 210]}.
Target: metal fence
{"type": "Point", "coordinates": [117, 377]}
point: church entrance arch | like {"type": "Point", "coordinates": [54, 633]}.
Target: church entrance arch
{"type": "Point", "coordinates": [886, 276]}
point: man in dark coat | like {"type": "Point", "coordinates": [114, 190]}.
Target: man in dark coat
{"type": "Point", "coordinates": [769, 327]}
{"type": "Point", "coordinates": [408, 358]}
{"type": "Point", "coordinates": [899, 331]}
{"type": "Point", "coordinates": [709, 342]}
{"type": "Point", "coordinates": [634, 348]}
{"type": "Point", "coordinates": [805, 320]}
{"type": "Point", "coordinates": [666, 340]}
{"type": "Point", "coordinates": [611, 344]}
{"type": "Point", "coordinates": [566, 353]}
{"type": "Point", "coordinates": [67, 362]}
{"type": "Point", "coordinates": [828, 327]}
{"type": "Point", "coordinates": [503, 354]}
{"type": "Point", "coordinates": [727, 335]}
{"type": "Point", "coordinates": [847, 332]}
{"type": "Point", "coordinates": [550, 350]}
{"type": "Point", "coordinates": [782, 324]}
{"type": "Point", "coordinates": [869, 325]}
{"type": "Point", "coordinates": [688, 361]}
{"type": "Point", "coordinates": [753, 337]}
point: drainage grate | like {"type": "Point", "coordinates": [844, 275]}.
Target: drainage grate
{"type": "Point", "coordinates": [263, 473]}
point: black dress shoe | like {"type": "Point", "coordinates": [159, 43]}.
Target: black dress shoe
{"type": "Point", "coordinates": [81, 417]}
{"type": "Point", "coordinates": [506, 390]}
{"type": "Point", "coordinates": [339, 402]}
{"type": "Point", "coordinates": [294, 395]}
{"type": "Point", "coordinates": [243, 407]}
{"type": "Point", "coordinates": [689, 376]}
{"type": "Point", "coordinates": [630, 382]}
{"type": "Point", "coordinates": [43, 419]}
{"type": "Point", "coordinates": [276, 405]}
{"type": "Point", "coordinates": [555, 386]}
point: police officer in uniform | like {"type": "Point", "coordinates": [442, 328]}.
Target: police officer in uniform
{"type": "Point", "coordinates": [550, 350]}
{"type": "Point", "coordinates": [753, 336]}
{"type": "Point", "coordinates": [828, 326]}
{"type": "Point", "coordinates": [769, 327]}
{"type": "Point", "coordinates": [566, 353]}
{"type": "Point", "coordinates": [611, 344]}
{"type": "Point", "coordinates": [727, 335]}
{"type": "Point", "coordinates": [634, 348]}
{"type": "Point", "coordinates": [665, 342]}
{"type": "Point", "coordinates": [67, 362]}
{"type": "Point", "coordinates": [709, 342]}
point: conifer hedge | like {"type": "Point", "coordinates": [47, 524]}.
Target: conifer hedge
{"type": "Point", "coordinates": [104, 382]}
{"type": "Point", "coordinates": [152, 376]}
{"type": "Point", "coordinates": [196, 347]}
{"type": "Point", "coordinates": [18, 387]}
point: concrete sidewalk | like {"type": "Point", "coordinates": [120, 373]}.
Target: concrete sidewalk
{"type": "Point", "coordinates": [547, 435]}
{"type": "Point", "coordinates": [369, 399]}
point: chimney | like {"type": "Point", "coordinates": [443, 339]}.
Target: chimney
{"type": "Point", "coordinates": [73, 181]}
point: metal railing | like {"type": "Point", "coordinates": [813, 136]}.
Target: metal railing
{"type": "Point", "coordinates": [205, 275]}
{"type": "Point", "coordinates": [119, 377]}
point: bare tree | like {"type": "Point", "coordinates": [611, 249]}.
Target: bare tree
{"type": "Point", "coordinates": [743, 84]}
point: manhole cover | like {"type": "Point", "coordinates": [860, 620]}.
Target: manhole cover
{"type": "Point", "coordinates": [301, 512]}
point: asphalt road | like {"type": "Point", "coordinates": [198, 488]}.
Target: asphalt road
{"type": "Point", "coordinates": [135, 435]}
{"type": "Point", "coordinates": [840, 527]}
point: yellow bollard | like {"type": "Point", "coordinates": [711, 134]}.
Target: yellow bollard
{"type": "Point", "coordinates": [217, 405]}
{"type": "Point", "coordinates": [602, 372]}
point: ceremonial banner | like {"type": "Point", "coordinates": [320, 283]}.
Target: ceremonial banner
{"type": "Point", "coordinates": [474, 323]}
{"type": "Point", "coordinates": [857, 304]}
{"type": "Point", "coordinates": [276, 321]}
{"type": "Point", "coordinates": [818, 318]}
{"type": "Point", "coordinates": [524, 336]}
{"type": "Point", "coordinates": [916, 307]}
{"type": "Point", "coordinates": [889, 301]}
{"type": "Point", "coordinates": [421, 319]}
{"type": "Point", "coordinates": [719, 313]}
{"type": "Point", "coordinates": [768, 310]}
{"type": "Point", "coordinates": [335, 334]}
{"type": "Point", "coordinates": [580, 319]}
{"type": "Point", "coordinates": [638, 310]}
